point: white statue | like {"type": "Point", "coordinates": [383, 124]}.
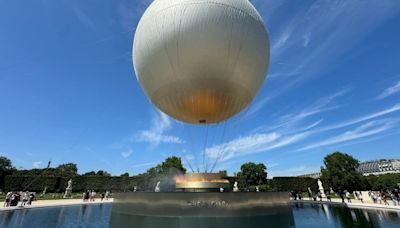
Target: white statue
{"type": "Point", "coordinates": [221, 189]}
{"type": "Point", "coordinates": [321, 188]}
{"type": "Point", "coordinates": [68, 190]}
{"type": "Point", "coordinates": [235, 187]}
{"type": "Point", "coordinates": [157, 189]}
{"type": "Point", "coordinates": [134, 189]}
{"type": "Point", "coordinates": [257, 189]}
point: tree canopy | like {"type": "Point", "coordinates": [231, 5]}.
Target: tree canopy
{"type": "Point", "coordinates": [340, 172]}
{"type": "Point", "coordinates": [252, 174]}
{"type": "Point", "coordinates": [6, 168]}
{"type": "Point", "coordinates": [69, 170]}
{"type": "Point", "coordinates": [164, 172]}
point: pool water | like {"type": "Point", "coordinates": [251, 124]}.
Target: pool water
{"type": "Point", "coordinates": [98, 215]}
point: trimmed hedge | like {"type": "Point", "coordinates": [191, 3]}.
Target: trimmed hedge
{"type": "Point", "coordinates": [298, 184]}
{"type": "Point", "coordinates": [79, 183]}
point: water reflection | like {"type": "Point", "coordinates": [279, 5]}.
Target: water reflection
{"type": "Point", "coordinates": [94, 215]}
{"type": "Point", "coordinates": [303, 215]}
{"type": "Point", "coordinates": [310, 215]}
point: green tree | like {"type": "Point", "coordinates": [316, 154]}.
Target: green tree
{"type": "Point", "coordinates": [223, 173]}
{"type": "Point", "coordinates": [252, 174]}
{"type": "Point", "coordinates": [385, 181]}
{"type": "Point", "coordinates": [91, 173]}
{"type": "Point", "coordinates": [6, 168]}
{"type": "Point", "coordinates": [103, 173]}
{"type": "Point", "coordinates": [340, 172]}
{"type": "Point", "coordinates": [172, 165]}
{"type": "Point", "coordinates": [164, 172]}
{"type": "Point", "coordinates": [126, 174]}
{"type": "Point", "coordinates": [68, 170]}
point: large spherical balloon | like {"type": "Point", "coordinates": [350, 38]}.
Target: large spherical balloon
{"type": "Point", "coordinates": [201, 61]}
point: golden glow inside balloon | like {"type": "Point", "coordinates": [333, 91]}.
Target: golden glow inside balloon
{"type": "Point", "coordinates": [201, 61]}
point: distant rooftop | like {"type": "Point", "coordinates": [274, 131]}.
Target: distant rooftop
{"type": "Point", "coordinates": [373, 167]}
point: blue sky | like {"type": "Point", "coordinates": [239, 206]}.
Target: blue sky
{"type": "Point", "coordinates": [68, 90]}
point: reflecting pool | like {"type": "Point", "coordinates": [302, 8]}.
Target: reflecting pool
{"type": "Point", "coordinates": [304, 215]}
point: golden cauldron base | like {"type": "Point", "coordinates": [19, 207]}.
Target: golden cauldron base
{"type": "Point", "coordinates": [201, 182]}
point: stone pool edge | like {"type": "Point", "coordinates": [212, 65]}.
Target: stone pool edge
{"type": "Point", "coordinates": [55, 203]}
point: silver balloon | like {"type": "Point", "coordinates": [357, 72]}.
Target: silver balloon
{"type": "Point", "coordinates": [201, 61]}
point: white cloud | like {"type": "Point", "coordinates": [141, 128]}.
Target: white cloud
{"type": "Point", "coordinates": [156, 134]}
{"type": "Point", "coordinates": [294, 118]}
{"type": "Point", "coordinates": [272, 165]}
{"type": "Point", "coordinates": [365, 130]}
{"type": "Point", "coordinates": [295, 171]}
{"type": "Point", "coordinates": [84, 18]}
{"type": "Point", "coordinates": [390, 91]}
{"type": "Point", "coordinates": [334, 26]}
{"type": "Point", "coordinates": [242, 145]}
{"type": "Point", "coordinates": [144, 164]}
{"type": "Point", "coordinates": [250, 144]}
{"type": "Point", "coordinates": [127, 153]}
{"type": "Point", "coordinates": [261, 141]}
{"type": "Point", "coordinates": [313, 125]}
{"type": "Point", "coordinates": [395, 108]}
{"type": "Point", "coordinates": [37, 164]}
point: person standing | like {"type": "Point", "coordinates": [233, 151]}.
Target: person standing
{"type": "Point", "coordinates": [87, 195]}
{"type": "Point", "coordinates": [25, 198]}
{"type": "Point", "coordinates": [348, 197]}
{"type": "Point", "coordinates": [7, 199]}
{"type": "Point", "coordinates": [396, 196]}
{"type": "Point", "coordinates": [384, 198]}
{"type": "Point", "coordinates": [107, 194]}
{"type": "Point", "coordinates": [328, 196]}
{"type": "Point", "coordinates": [31, 198]}
{"type": "Point", "coordinates": [93, 195]}
{"type": "Point", "coordinates": [360, 197]}
{"type": "Point", "coordinates": [341, 193]}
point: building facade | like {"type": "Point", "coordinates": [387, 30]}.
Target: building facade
{"type": "Point", "coordinates": [374, 167]}
{"type": "Point", "coordinates": [377, 167]}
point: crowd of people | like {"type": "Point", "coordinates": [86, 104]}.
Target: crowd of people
{"type": "Point", "coordinates": [90, 196]}
{"type": "Point", "coordinates": [12, 199]}
{"type": "Point", "coordinates": [377, 197]}
{"type": "Point", "coordinates": [385, 196]}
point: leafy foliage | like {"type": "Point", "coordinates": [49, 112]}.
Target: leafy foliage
{"type": "Point", "coordinates": [163, 173]}
{"type": "Point", "coordinates": [383, 182]}
{"type": "Point", "coordinates": [68, 170]}
{"type": "Point", "coordinates": [298, 184]}
{"type": "Point", "coordinates": [6, 168]}
{"type": "Point", "coordinates": [340, 172]}
{"type": "Point", "coordinates": [252, 174]}
{"type": "Point", "coordinates": [80, 183]}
